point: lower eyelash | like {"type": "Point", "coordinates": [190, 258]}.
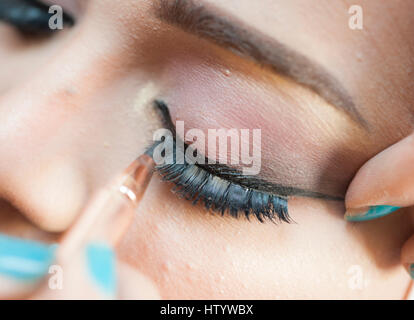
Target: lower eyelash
{"type": "Point", "coordinates": [197, 185]}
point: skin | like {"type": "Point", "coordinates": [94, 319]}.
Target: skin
{"type": "Point", "coordinates": [76, 109]}
{"type": "Point", "coordinates": [396, 188]}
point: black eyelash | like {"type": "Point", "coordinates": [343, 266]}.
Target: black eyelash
{"type": "Point", "coordinates": [30, 17]}
{"type": "Point", "coordinates": [195, 183]}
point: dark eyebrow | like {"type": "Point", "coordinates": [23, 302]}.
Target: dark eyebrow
{"type": "Point", "coordinates": [232, 34]}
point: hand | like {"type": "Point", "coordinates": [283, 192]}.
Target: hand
{"type": "Point", "coordinates": [93, 273]}
{"type": "Point", "coordinates": [383, 185]}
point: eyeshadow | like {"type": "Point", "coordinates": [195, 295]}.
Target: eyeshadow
{"type": "Point", "coordinates": [234, 175]}
{"type": "Point", "coordinates": [195, 183]}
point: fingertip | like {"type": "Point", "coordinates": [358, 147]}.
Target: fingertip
{"type": "Point", "coordinates": [385, 179]}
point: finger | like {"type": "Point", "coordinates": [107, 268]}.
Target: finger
{"type": "Point", "coordinates": [383, 184]}
{"type": "Point", "coordinates": [23, 264]}
{"type": "Point", "coordinates": [86, 253]}
{"type": "Point", "coordinates": [86, 250]}
{"type": "Point", "coordinates": [93, 275]}
{"type": "Point", "coordinates": [90, 274]}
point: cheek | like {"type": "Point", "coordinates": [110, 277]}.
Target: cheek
{"type": "Point", "coordinates": [190, 253]}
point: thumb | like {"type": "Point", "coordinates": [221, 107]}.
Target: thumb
{"type": "Point", "coordinates": [383, 184]}
{"type": "Point", "coordinates": [89, 274]}
{"type": "Point", "coordinates": [95, 274]}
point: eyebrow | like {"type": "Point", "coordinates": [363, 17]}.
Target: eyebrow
{"type": "Point", "coordinates": [232, 34]}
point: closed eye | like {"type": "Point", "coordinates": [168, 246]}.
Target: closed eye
{"type": "Point", "coordinates": [198, 183]}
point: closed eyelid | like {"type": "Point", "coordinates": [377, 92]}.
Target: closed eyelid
{"type": "Point", "coordinates": [236, 176]}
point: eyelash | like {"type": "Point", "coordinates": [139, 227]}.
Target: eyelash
{"type": "Point", "coordinates": [29, 16]}
{"type": "Point", "coordinates": [197, 184]}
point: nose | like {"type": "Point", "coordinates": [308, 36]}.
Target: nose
{"type": "Point", "coordinates": [39, 173]}
{"type": "Point", "coordinates": [71, 125]}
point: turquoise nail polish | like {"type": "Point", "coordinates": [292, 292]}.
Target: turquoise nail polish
{"type": "Point", "coordinates": [24, 259]}
{"type": "Point", "coordinates": [101, 263]}
{"type": "Point", "coordinates": [373, 213]}
{"type": "Point", "coordinates": [412, 271]}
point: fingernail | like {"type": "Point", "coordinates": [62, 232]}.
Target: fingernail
{"type": "Point", "coordinates": [368, 213]}
{"type": "Point", "coordinates": [24, 259]}
{"type": "Point", "coordinates": [101, 265]}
